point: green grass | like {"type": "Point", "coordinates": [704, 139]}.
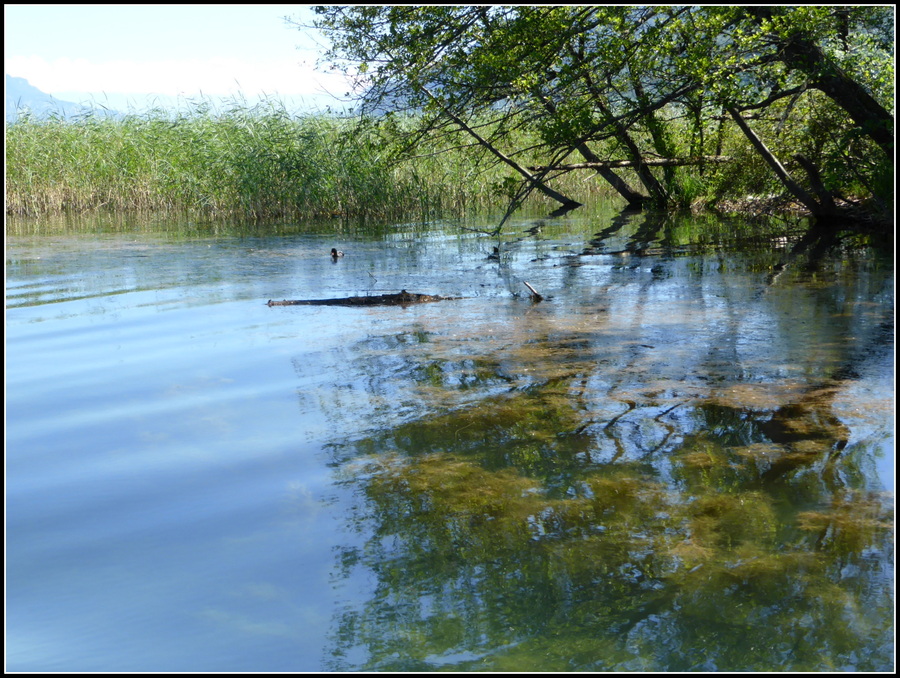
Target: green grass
{"type": "Point", "coordinates": [256, 162]}
{"type": "Point", "coordinates": [261, 162]}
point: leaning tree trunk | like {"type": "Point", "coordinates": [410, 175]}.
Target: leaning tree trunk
{"type": "Point", "coordinates": [565, 201]}
{"type": "Point", "coordinates": [825, 197]}
{"type": "Point", "coordinates": [796, 189]}
{"type": "Point", "coordinates": [657, 193]}
{"type": "Point", "coordinates": [660, 195]}
{"type": "Point", "coordinates": [634, 198]}
{"type": "Point", "coordinates": [621, 186]}
{"type": "Point", "coordinates": [807, 57]}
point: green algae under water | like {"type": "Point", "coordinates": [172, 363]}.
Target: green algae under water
{"type": "Point", "coordinates": [681, 460]}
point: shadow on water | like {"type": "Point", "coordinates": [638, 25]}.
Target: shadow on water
{"type": "Point", "coordinates": [567, 496]}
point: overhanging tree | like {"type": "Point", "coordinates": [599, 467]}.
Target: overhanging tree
{"type": "Point", "coordinates": [780, 62]}
{"type": "Point", "coordinates": [574, 75]}
{"type": "Point", "coordinates": [613, 81]}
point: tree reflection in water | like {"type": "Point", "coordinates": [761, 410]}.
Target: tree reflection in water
{"type": "Point", "coordinates": [622, 488]}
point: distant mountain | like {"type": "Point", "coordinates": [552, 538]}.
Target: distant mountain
{"type": "Point", "coordinates": [20, 95]}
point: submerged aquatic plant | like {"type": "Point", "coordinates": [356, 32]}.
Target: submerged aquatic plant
{"type": "Point", "coordinates": [572, 500]}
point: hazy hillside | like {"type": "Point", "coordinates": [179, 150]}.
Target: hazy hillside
{"type": "Point", "coordinates": [21, 95]}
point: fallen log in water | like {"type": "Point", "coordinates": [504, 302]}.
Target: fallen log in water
{"type": "Point", "coordinates": [402, 298]}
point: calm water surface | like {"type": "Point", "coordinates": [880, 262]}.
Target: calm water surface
{"type": "Point", "coordinates": [682, 459]}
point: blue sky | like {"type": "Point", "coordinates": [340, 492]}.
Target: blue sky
{"type": "Point", "coordinates": [132, 56]}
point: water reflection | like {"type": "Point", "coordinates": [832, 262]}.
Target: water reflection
{"type": "Point", "coordinates": [651, 478]}
{"type": "Point", "coordinates": [676, 461]}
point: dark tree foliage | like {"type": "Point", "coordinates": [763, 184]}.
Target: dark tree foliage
{"type": "Point", "coordinates": [579, 87]}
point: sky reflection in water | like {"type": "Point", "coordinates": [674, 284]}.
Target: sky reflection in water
{"type": "Point", "coordinates": [678, 461]}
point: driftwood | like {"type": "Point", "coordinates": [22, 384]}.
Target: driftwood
{"type": "Point", "coordinates": [402, 298]}
{"type": "Point", "coordinates": [535, 296]}
{"type": "Point", "coordinates": [648, 162]}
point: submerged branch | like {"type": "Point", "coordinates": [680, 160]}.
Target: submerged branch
{"type": "Point", "coordinates": [650, 162]}
{"type": "Point", "coordinates": [535, 295]}
{"type": "Point", "coordinates": [402, 298]}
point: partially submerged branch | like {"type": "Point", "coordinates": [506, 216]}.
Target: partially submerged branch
{"type": "Point", "coordinates": [535, 295]}
{"type": "Point", "coordinates": [402, 298]}
{"type": "Point", "coordinates": [650, 162]}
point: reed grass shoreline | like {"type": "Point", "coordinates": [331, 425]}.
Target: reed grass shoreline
{"type": "Point", "coordinates": [262, 163]}
{"type": "Point", "coordinates": [258, 162]}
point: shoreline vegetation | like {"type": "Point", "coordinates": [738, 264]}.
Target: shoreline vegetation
{"type": "Point", "coordinates": [263, 163]}
{"type": "Point", "coordinates": [473, 109]}
{"type": "Point", "coordinates": [794, 101]}
{"type": "Point", "coordinates": [257, 162]}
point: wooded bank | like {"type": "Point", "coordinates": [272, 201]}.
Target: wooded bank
{"type": "Point", "coordinates": [667, 87]}
{"type": "Point", "coordinates": [487, 108]}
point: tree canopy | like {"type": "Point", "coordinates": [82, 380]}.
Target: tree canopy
{"type": "Point", "coordinates": [648, 97]}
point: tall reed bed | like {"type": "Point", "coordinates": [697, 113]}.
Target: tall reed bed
{"type": "Point", "coordinates": [243, 161]}
{"type": "Point", "coordinates": [257, 161]}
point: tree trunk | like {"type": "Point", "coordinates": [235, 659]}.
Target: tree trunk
{"type": "Point", "coordinates": [654, 188]}
{"type": "Point", "coordinates": [621, 186]}
{"type": "Point", "coordinates": [806, 56]}
{"type": "Point", "coordinates": [796, 190]}
{"type": "Point", "coordinates": [566, 202]}
{"type": "Point", "coordinates": [650, 162]}
{"type": "Point", "coordinates": [826, 199]}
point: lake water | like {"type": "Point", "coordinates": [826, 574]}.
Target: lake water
{"type": "Point", "coordinates": [681, 459]}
